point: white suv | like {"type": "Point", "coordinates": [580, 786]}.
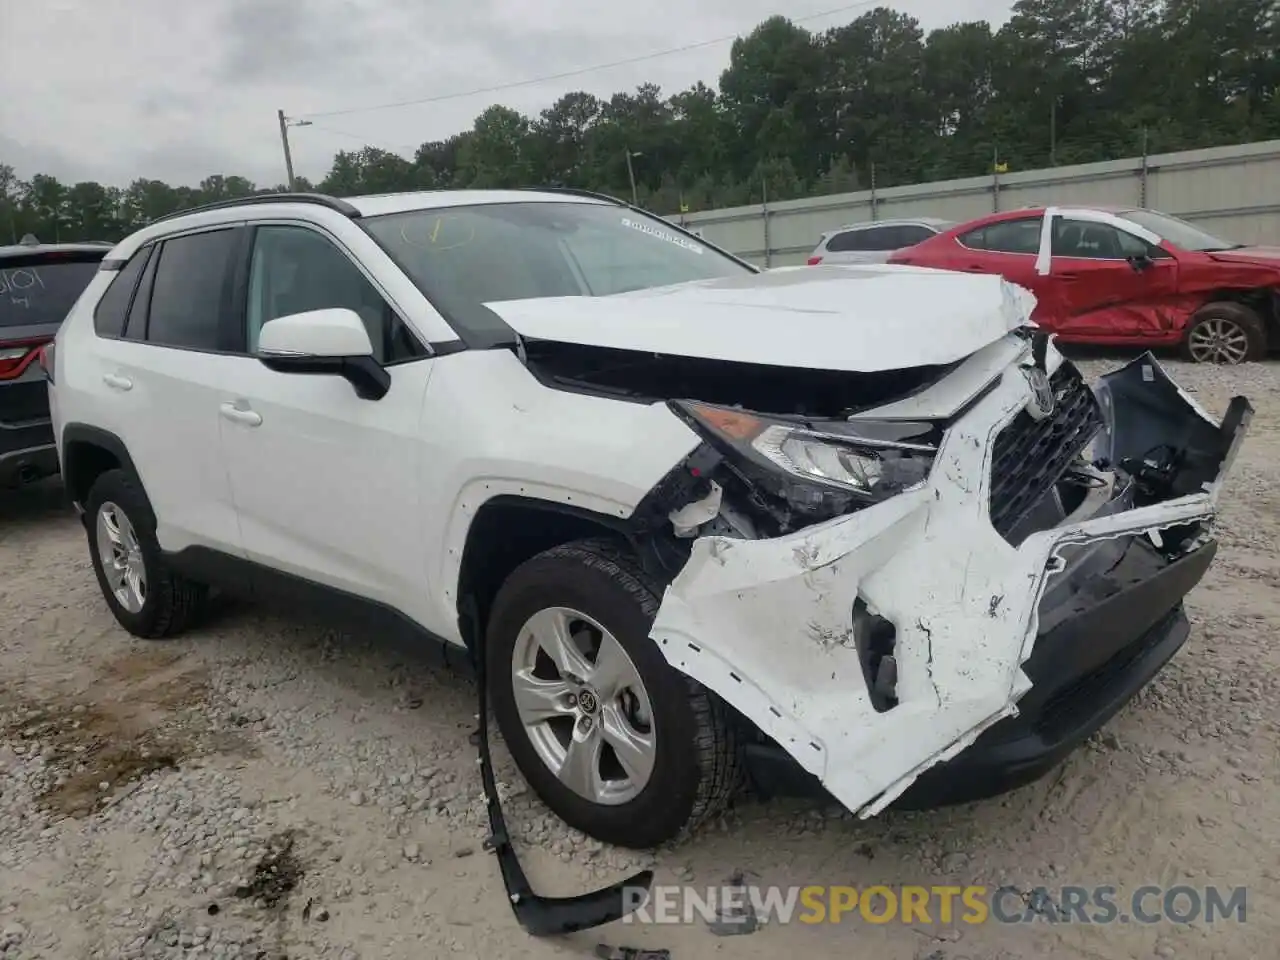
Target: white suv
{"type": "Point", "coordinates": [850, 529]}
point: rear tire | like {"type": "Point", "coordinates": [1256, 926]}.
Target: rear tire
{"type": "Point", "coordinates": [1225, 333]}
{"type": "Point", "coordinates": [146, 595]}
{"type": "Point", "coordinates": [692, 768]}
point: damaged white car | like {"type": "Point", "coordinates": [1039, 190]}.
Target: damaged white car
{"type": "Point", "coordinates": [860, 530]}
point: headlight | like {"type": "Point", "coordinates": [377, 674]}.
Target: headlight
{"type": "Point", "coordinates": [836, 459]}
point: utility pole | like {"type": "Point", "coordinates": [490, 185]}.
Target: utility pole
{"type": "Point", "coordinates": [631, 174]}
{"type": "Point", "coordinates": [285, 124]}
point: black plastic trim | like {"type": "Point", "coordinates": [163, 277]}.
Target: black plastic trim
{"type": "Point", "coordinates": [253, 581]}
{"type": "Point", "coordinates": [262, 199]}
{"type": "Point", "coordinates": [369, 380]}
{"type": "Point", "coordinates": [75, 435]}
{"type": "Point", "coordinates": [539, 916]}
{"type": "Point", "coordinates": [444, 348]}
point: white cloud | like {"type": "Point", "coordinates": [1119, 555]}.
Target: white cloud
{"type": "Point", "coordinates": [111, 90]}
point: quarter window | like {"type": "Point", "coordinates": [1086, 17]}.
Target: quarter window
{"type": "Point", "coordinates": [109, 317]}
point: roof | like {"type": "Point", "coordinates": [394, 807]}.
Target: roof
{"type": "Point", "coordinates": [28, 249]}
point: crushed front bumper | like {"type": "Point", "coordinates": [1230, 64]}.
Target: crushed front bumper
{"type": "Point", "coordinates": [1006, 656]}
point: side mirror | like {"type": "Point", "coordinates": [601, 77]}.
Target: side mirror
{"type": "Point", "coordinates": [332, 341]}
{"type": "Point", "coordinates": [1141, 262]}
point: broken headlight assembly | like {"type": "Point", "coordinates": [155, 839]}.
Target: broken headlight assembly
{"type": "Point", "coordinates": [803, 472]}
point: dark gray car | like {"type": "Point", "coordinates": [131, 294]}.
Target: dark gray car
{"type": "Point", "coordinates": [39, 283]}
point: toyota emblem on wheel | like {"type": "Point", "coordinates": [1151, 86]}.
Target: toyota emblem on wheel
{"type": "Point", "coordinates": [1043, 401]}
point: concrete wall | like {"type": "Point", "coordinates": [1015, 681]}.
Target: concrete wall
{"type": "Point", "coordinates": [1230, 191]}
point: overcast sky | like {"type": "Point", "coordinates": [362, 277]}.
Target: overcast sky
{"type": "Point", "coordinates": [111, 90]}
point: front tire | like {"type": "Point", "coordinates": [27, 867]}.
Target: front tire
{"type": "Point", "coordinates": [615, 741]}
{"type": "Point", "coordinates": [1225, 333]}
{"type": "Point", "coordinates": [146, 595]}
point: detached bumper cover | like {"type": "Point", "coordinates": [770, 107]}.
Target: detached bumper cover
{"type": "Point", "coordinates": [768, 624]}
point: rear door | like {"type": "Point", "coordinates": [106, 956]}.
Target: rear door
{"type": "Point", "coordinates": [1108, 283]}
{"type": "Point", "coordinates": [160, 376]}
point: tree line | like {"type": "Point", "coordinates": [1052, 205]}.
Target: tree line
{"type": "Point", "coordinates": [798, 113]}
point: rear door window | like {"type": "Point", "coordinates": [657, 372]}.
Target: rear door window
{"type": "Point", "coordinates": [190, 299]}
{"type": "Point", "coordinates": [858, 241]}
{"type": "Point", "coordinates": [40, 290]}
{"type": "Point", "coordinates": [909, 234]}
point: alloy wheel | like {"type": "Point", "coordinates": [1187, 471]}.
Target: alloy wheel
{"type": "Point", "coordinates": [1218, 340]}
{"type": "Point", "coordinates": [583, 705]}
{"type": "Point", "coordinates": [121, 556]}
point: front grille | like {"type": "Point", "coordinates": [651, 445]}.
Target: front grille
{"type": "Point", "coordinates": [1030, 455]}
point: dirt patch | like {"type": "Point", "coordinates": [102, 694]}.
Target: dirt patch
{"type": "Point", "coordinates": [276, 874]}
{"type": "Point", "coordinates": [147, 711]}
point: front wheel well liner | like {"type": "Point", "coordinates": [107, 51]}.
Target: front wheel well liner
{"type": "Point", "coordinates": [508, 530]}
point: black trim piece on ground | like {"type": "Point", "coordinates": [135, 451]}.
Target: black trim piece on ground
{"type": "Point", "coordinates": [538, 915]}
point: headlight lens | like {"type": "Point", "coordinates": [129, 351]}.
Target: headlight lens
{"type": "Point", "coordinates": [869, 461]}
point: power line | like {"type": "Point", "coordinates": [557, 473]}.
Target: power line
{"type": "Point", "coordinates": [578, 72]}
{"type": "Point", "coordinates": [383, 144]}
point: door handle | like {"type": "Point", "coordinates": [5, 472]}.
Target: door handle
{"type": "Point", "coordinates": [117, 382]}
{"type": "Point", "coordinates": [236, 414]}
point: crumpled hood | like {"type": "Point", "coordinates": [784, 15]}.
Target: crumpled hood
{"type": "Point", "coordinates": [1263, 256]}
{"type": "Point", "coordinates": [855, 318]}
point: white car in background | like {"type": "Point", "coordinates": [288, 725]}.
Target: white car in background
{"type": "Point", "coordinates": [874, 242]}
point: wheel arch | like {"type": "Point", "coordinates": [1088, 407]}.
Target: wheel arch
{"type": "Point", "coordinates": [507, 530]}
{"type": "Point", "coordinates": [1265, 301]}
{"type": "Point", "coordinates": [87, 453]}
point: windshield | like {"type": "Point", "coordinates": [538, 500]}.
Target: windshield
{"type": "Point", "coordinates": [464, 257]}
{"type": "Point", "coordinates": [1178, 232]}
{"type": "Point", "coordinates": [37, 292]}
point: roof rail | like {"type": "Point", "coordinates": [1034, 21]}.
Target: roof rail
{"type": "Point", "coordinates": [579, 192]}
{"type": "Point", "coordinates": [256, 199]}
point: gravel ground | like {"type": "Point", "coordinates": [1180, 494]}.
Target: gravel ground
{"type": "Point", "coordinates": [270, 787]}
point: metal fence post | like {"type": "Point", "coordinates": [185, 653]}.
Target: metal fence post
{"type": "Point", "coordinates": [875, 209]}
{"type": "Point", "coordinates": [1142, 184]}
{"type": "Point", "coordinates": [995, 180]}
{"type": "Point", "coordinates": [764, 212]}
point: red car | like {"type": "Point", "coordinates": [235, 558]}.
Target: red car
{"type": "Point", "coordinates": [1124, 277]}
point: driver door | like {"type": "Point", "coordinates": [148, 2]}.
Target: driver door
{"type": "Point", "coordinates": [326, 484]}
